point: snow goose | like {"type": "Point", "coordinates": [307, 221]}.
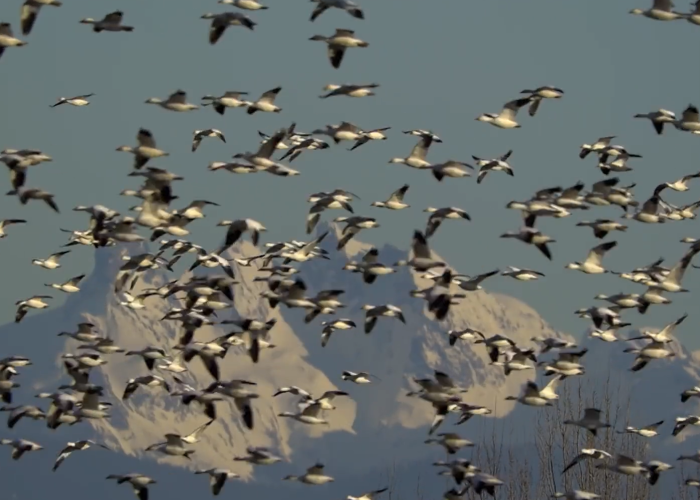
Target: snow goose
{"type": "Point", "coordinates": [138, 482]}
{"type": "Point", "coordinates": [576, 495]}
{"type": "Point", "coordinates": [51, 262]}
{"type": "Point", "coordinates": [331, 326]}
{"type": "Point", "coordinates": [177, 101]}
{"type": "Point", "coordinates": [347, 5]}
{"type": "Point", "coordinates": [594, 260]}
{"type": "Point", "coordinates": [416, 158]}
{"type": "Point", "coordinates": [242, 397]}
{"type": "Point", "coordinates": [7, 39]}
{"type": "Point", "coordinates": [530, 396]}
{"type": "Point", "coordinates": [261, 158]}
{"type": "Point", "coordinates": [672, 282]}
{"type": "Point", "coordinates": [587, 454]}
{"type": "Point", "coordinates": [70, 447]}
{"type": "Point", "coordinates": [373, 313]}
{"type": "Point", "coordinates": [84, 333]}
{"type": "Point", "coordinates": [473, 283]}
{"type": "Point", "coordinates": [590, 421]}
{"type": "Point", "coordinates": [145, 150]}
{"type": "Point", "coordinates": [308, 144]}
{"type": "Point", "coordinates": [437, 215]}
{"type": "Point", "coordinates": [359, 378]}
{"type": "Point", "coordinates": [481, 481]}
{"type": "Point", "coordinates": [308, 414]}
{"type": "Point", "coordinates": [38, 194]}
{"type": "Point", "coordinates": [422, 259]}
{"type": "Point", "coordinates": [451, 441]}
{"type": "Point", "coordinates": [370, 495]}
{"type": "Point", "coordinates": [647, 431]}
{"type": "Point", "coordinates": [607, 335]}
{"type": "Point", "coordinates": [540, 93]}
{"type": "Point", "coordinates": [423, 133]}
{"type": "Point", "coordinates": [218, 477]}
{"type": "Point", "coordinates": [198, 135]}
{"type": "Point", "coordinates": [91, 408]}
{"type": "Point", "coordinates": [450, 168]}
{"type": "Point", "coordinates": [689, 121]}
{"type": "Point", "coordinates": [690, 393]}
{"type": "Point", "coordinates": [150, 355]}
{"type": "Point", "coordinates": [648, 213]}
{"type": "Point", "coordinates": [70, 286]}
{"type": "Point", "coordinates": [665, 335]}
{"type": "Point", "coordinates": [624, 465]}
{"type": "Point", "coordinates": [304, 252]}
{"type": "Point", "coordinates": [258, 456]}
{"type": "Point", "coordinates": [516, 360]}
{"type": "Point", "coordinates": [219, 23]}
{"type": "Point", "coordinates": [111, 22]}
{"type": "Point", "coordinates": [496, 165]}
{"type": "Point", "coordinates": [237, 228]}
{"type": "Point", "coordinates": [528, 234]}
{"type": "Point", "coordinates": [549, 343]}
{"type": "Point", "coordinates": [147, 381]}
{"type": "Point", "coordinates": [679, 185]}
{"type": "Point", "coordinates": [34, 302]}
{"type": "Point", "coordinates": [395, 201]}
{"type": "Point", "coordinates": [506, 118]}
{"type": "Point", "coordinates": [266, 103]}
{"type": "Point", "coordinates": [20, 447]}
{"type": "Point", "coordinates": [601, 227]}
{"type": "Point", "coordinates": [19, 412]}
{"type": "Point", "coordinates": [174, 446]}
{"type": "Point", "coordinates": [86, 361]}
{"type": "Point", "coordinates": [8, 222]}
{"type": "Point", "coordinates": [30, 11]}
{"type": "Point", "coordinates": [338, 42]}
{"type": "Point", "coordinates": [104, 346]}
{"type": "Point", "coordinates": [522, 274]}
{"type": "Point", "coordinates": [661, 10]}
{"type": "Point", "coordinates": [244, 4]}
{"type": "Point", "coordinates": [463, 334]}
{"type": "Point", "coordinates": [314, 476]}
{"type": "Point", "coordinates": [79, 101]}
{"type": "Point", "coordinates": [345, 131]}
{"type": "Point", "coordinates": [658, 119]}
{"type": "Point", "coordinates": [230, 99]}
{"type": "Point", "coordinates": [376, 134]}
{"type": "Point", "coordinates": [683, 422]}
{"type": "Point", "coordinates": [694, 16]}
{"type": "Point", "coordinates": [353, 225]}
{"type": "Point", "coordinates": [598, 145]}
{"type": "Point", "coordinates": [349, 90]}
{"type": "Point", "coordinates": [651, 351]}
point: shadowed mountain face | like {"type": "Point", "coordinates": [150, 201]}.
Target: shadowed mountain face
{"type": "Point", "coordinates": [376, 426]}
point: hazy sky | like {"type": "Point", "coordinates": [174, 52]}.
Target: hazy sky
{"type": "Point", "coordinates": [440, 65]}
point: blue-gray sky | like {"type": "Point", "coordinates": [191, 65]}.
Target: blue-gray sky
{"type": "Point", "coordinates": [440, 65]}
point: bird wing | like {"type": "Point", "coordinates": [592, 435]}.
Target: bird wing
{"type": "Point", "coordinates": [595, 256]}
{"type": "Point", "coordinates": [145, 138]}
{"type": "Point", "coordinates": [420, 150]}
{"type": "Point", "coordinates": [420, 245]}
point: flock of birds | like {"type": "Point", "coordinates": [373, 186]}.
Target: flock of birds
{"type": "Point", "coordinates": [202, 295]}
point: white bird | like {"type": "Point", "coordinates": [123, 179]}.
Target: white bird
{"type": "Point", "coordinates": [590, 421]}
{"type": "Point", "coordinates": [307, 415]}
{"type": "Point", "coordinates": [177, 101]}
{"type": "Point", "coordinates": [658, 119]}
{"type": "Point", "coordinates": [219, 23]}
{"type": "Point", "coordinates": [347, 5]}
{"type": "Point", "coordinates": [266, 103]}
{"type": "Point", "coordinates": [79, 101]}
{"type": "Point", "coordinates": [594, 260]}
{"type": "Point", "coordinates": [661, 10]}
{"type": "Point", "coordinates": [20, 447]}
{"type": "Point", "coordinates": [587, 454]}
{"type": "Point", "coordinates": [314, 475]}
{"type": "Point", "coordinates": [218, 478]}
{"type": "Point", "coordinates": [506, 118]}
{"type": "Point", "coordinates": [138, 482]}
{"type": "Point", "coordinates": [200, 134]}
{"type": "Point", "coordinates": [70, 447]}
{"type": "Point", "coordinates": [338, 42]}
{"type": "Point", "coordinates": [111, 22]}
{"type": "Point", "coordinates": [7, 39]}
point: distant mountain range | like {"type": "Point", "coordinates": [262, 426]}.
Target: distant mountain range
{"type": "Point", "coordinates": [376, 428]}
